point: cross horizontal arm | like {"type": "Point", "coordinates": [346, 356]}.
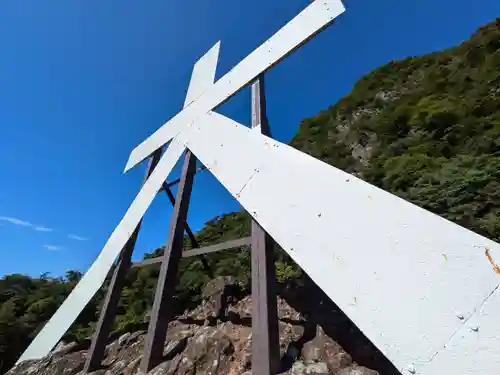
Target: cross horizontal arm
{"type": "Point", "coordinates": [314, 18]}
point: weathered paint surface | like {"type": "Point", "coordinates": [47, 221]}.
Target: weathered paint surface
{"type": "Point", "coordinates": [474, 348]}
{"type": "Point", "coordinates": [406, 274]}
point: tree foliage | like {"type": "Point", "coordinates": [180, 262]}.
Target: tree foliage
{"type": "Point", "coordinates": [430, 129]}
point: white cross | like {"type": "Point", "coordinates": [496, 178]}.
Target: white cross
{"type": "Point", "coordinates": [203, 96]}
{"type": "Point", "coordinates": [299, 30]}
{"type": "Point", "coordinates": [378, 257]}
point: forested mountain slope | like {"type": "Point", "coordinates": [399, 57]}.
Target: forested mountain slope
{"type": "Point", "coordinates": [425, 128]}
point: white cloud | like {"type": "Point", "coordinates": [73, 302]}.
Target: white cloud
{"type": "Point", "coordinates": [15, 221]}
{"type": "Point", "coordinates": [52, 247]}
{"type": "Point", "coordinates": [43, 229]}
{"type": "Point", "coordinates": [39, 228]}
{"type": "Point", "coordinates": [78, 238]}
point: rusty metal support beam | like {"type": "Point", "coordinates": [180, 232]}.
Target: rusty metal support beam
{"type": "Point", "coordinates": [245, 241]}
{"type": "Point", "coordinates": [189, 232]}
{"type": "Point", "coordinates": [162, 307]}
{"type": "Point", "coordinates": [108, 312]}
{"type": "Point", "coordinates": [176, 181]}
{"type": "Point", "coordinates": [265, 330]}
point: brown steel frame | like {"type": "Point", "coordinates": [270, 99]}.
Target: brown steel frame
{"type": "Point", "coordinates": [265, 336]}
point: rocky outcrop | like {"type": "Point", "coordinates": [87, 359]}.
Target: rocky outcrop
{"type": "Point", "coordinates": [215, 338]}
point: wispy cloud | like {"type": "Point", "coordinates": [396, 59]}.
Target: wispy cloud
{"type": "Point", "coordinates": [15, 221]}
{"type": "Point", "coordinates": [78, 238]}
{"type": "Point", "coordinates": [43, 229]}
{"type": "Point", "coordinates": [52, 247]}
{"type": "Point", "coordinates": [38, 228]}
{"type": "Point", "coordinates": [23, 223]}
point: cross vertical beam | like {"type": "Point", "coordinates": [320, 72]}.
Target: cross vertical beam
{"type": "Point", "coordinates": [162, 307]}
{"type": "Point", "coordinates": [265, 333]}
{"type": "Point", "coordinates": [108, 312]}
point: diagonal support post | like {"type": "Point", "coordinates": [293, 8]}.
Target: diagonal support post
{"type": "Point", "coordinates": [162, 310]}
{"type": "Point", "coordinates": [265, 330]}
{"type": "Point", "coordinates": [189, 232]}
{"type": "Point", "coordinates": [177, 180]}
{"type": "Point", "coordinates": [108, 312]}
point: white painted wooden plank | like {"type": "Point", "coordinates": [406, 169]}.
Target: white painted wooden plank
{"type": "Point", "coordinates": [216, 145]}
{"type": "Point", "coordinates": [314, 18]}
{"type": "Point", "coordinates": [203, 75]}
{"type": "Point", "coordinates": [401, 273]}
{"type": "Point", "coordinates": [474, 348]}
{"type": "Point", "coordinates": [388, 255]}
{"type": "Point", "coordinates": [90, 283]}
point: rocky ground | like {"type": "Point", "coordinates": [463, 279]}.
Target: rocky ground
{"type": "Point", "coordinates": [215, 338]}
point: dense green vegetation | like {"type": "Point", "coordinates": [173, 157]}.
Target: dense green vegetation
{"type": "Point", "coordinates": [428, 128]}
{"type": "Point", "coordinates": [27, 303]}
{"type": "Point", "coordinates": [425, 128]}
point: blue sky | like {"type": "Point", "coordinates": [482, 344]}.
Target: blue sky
{"type": "Point", "coordinates": [83, 82]}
